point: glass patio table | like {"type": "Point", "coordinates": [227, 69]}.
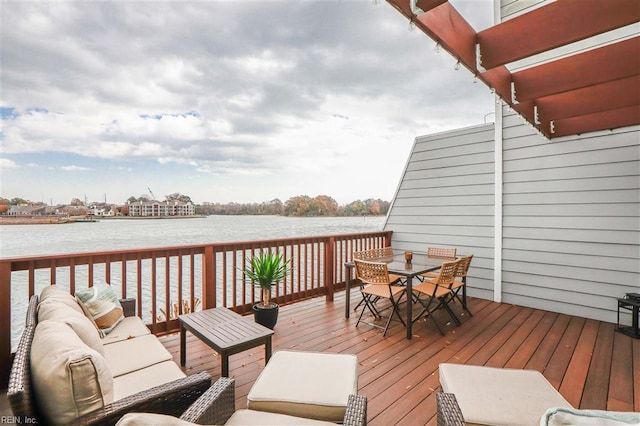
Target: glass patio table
{"type": "Point", "coordinates": [420, 264]}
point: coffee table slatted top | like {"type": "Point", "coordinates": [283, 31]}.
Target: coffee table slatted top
{"type": "Point", "coordinates": [224, 331]}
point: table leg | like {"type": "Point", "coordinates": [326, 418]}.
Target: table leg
{"type": "Point", "coordinates": [347, 296]}
{"type": "Point", "coordinates": [225, 364]}
{"type": "Point", "coordinates": [267, 350]}
{"type": "Point", "coordinates": [409, 307]}
{"type": "Point", "coordinates": [183, 345]}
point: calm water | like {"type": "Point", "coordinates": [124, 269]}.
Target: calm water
{"type": "Point", "coordinates": [122, 234]}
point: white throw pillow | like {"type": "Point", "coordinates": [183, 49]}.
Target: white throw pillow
{"type": "Point", "coordinates": [101, 304]}
{"type": "Point", "coordinates": [69, 378]}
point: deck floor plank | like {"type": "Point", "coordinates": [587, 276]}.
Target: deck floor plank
{"type": "Point", "coordinates": [620, 387]}
{"type": "Point", "coordinates": [576, 372]}
{"type": "Point", "coordinates": [635, 366]}
{"type": "Point", "coordinates": [593, 366]}
{"type": "Point", "coordinates": [596, 387]}
{"type": "Point", "coordinates": [400, 376]}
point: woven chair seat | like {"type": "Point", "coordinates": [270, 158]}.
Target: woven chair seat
{"type": "Point", "coordinates": [383, 290]}
{"type": "Point", "coordinates": [428, 288]}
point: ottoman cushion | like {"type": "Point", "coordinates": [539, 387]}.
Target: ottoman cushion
{"type": "Point", "coordinates": [500, 396]}
{"type": "Point", "coordinates": [306, 384]}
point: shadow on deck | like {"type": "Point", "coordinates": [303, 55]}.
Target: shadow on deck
{"type": "Point", "coordinates": [587, 361]}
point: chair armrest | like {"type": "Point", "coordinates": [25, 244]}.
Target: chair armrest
{"type": "Point", "coordinates": [128, 306]}
{"type": "Point", "coordinates": [215, 406]}
{"type": "Point", "coordinates": [448, 410]}
{"type": "Point", "coordinates": [356, 414]}
{"type": "Point", "coordinates": [171, 398]}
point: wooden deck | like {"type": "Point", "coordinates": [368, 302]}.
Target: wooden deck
{"type": "Point", "coordinates": [592, 365]}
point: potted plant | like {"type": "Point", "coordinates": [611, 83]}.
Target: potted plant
{"type": "Point", "coordinates": [265, 271]}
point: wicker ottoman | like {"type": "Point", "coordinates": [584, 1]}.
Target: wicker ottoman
{"type": "Point", "coordinates": [306, 384]}
{"type": "Point", "coordinates": [500, 396]}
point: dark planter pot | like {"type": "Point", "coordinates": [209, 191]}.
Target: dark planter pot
{"type": "Point", "coordinates": [267, 317]}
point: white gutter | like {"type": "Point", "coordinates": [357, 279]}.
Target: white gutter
{"type": "Point", "coordinates": [497, 215]}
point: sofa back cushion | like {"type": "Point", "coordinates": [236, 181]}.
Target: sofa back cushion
{"type": "Point", "coordinates": [69, 378]}
{"type": "Point", "coordinates": [54, 310]}
{"type": "Point", "coordinates": [54, 292]}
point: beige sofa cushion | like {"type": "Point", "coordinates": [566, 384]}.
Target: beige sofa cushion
{"type": "Point", "coordinates": [500, 396]}
{"type": "Point", "coordinates": [239, 418]}
{"type": "Point", "coordinates": [149, 419]}
{"type": "Point", "coordinates": [261, 418]}
{"type": "Point", "coordinates": [140, 380]}
{"type": "Point", "coordinates": [54, 292]}
{"type": "Point", "coordinates": [54, 310]}
{"type": "Point", "coordinates": [134, 354]}
{"type": "Point", "coordinates": [128, 328]}
{"type": "Point", "coordinates": [69, 378]}
{"type": "Point", "coordinates": [306, 384]}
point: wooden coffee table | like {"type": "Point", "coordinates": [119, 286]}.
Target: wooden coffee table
{"type": "Point", "coordinates": [225, 332]}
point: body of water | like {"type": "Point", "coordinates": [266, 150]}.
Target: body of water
{"type": "Point", "coordinates": [123, 234]}
{"type": "Point", "coordinates": [126, 234]}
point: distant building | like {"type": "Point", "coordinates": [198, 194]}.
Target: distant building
{"type": "Point", "coordinates": [161, 208]}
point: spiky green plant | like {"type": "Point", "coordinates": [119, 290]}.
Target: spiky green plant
{"type": "Point", "coordinates": [264, 271]}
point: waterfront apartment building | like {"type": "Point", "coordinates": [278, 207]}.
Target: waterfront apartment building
{"type": "Point", "coordinates": [161, 208]}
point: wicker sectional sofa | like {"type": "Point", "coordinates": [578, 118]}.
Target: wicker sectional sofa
{"type": "Point", "coordinates": [64, 372]}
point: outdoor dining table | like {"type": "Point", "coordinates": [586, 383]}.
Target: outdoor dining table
{"type": "Point", "coordinates": [397, 264]}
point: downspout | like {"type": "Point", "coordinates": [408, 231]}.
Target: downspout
{"type": "Point", "coordinates": [497, 225]}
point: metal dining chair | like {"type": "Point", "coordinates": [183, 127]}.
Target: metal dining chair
{"type": "Point", "coordinates": [376, 284]}
{"type": "Point", "coordinates": [448, 253]}
{"type": "Point", "coordinates": [437, 291]}
{"type": "Point", "coordinates": [373, 254]}
{"type": "Point", "coordinates": [441, 252]}
{"type": "Point", "coordinates": [461, 274]}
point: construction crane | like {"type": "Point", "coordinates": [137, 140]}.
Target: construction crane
{"type": "Point", "coordinates": [153, 197]}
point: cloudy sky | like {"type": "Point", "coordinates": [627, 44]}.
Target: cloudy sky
{"type": "Point", "coordinates": [223, 101]}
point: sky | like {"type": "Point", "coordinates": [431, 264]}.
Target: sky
{"type": "Point", "coordinates": [223, 101]}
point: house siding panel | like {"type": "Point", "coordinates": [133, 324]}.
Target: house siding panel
{"type": "Point", "coordinates": [571, 220]}
{"type": "Point", "coordinates": [446, 198]}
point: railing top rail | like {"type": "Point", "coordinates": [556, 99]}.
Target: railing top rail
{"type": "Point", "coordinates": [145, 252]}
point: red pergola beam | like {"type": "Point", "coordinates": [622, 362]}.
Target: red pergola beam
{"type": "Point", "coordinates": [613, 95]}
{"type": "Point", "coordinates": [600, 121]}
{"type": "Point", "coordinates": [404, 8]}
{"type": "Point", "coordinates": [552, 26]}
{"type": "Point", "coordinates": [443, 24]}
{"type": "Point", "coordinates": [448, 28]}
{"type": "Point", "coordinates": [612, 62]}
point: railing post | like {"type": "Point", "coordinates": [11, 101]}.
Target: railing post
{"type": "Point", "coordinates": [329, 273]}
{"type": "Point", "coordinates": [208, 278]}
{"type": "Point", "coordinates": [387, 238]}
{"type": "Point", "coordinates": [5, 323]}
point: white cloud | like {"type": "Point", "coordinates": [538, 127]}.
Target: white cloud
{"type": "Point", "coordinates": [75, 169]}
{"type": "Point", "coordinates": [249, 98]}
{"type": "Point", "coordinates": [5, 163]}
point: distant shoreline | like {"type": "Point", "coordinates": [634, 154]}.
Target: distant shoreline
{"type": "Point", "coordinates": [56, 220]}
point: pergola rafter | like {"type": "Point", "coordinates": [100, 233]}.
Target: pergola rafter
{"type": "Point", "coordinates": [591, 90]}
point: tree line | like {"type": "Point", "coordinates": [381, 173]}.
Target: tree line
{"type": "Point", "coordinates": [300, 206]}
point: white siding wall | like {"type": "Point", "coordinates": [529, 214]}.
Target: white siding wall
{"type": "Point", "coordinates": [571, 219]}
{"type": "Point", "coordinates": [445, 198]}
{"type": "Point", "coordinates": [571, 210]}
